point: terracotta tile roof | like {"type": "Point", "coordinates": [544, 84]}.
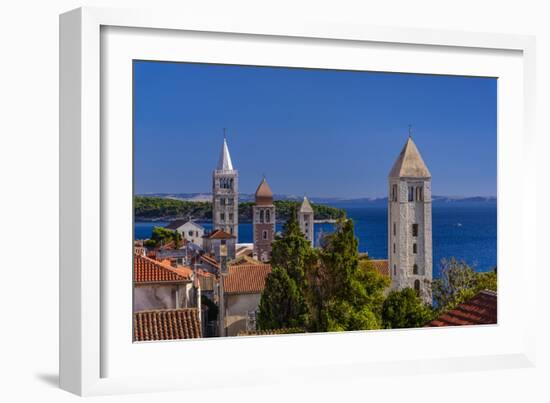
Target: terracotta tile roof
{"type": "Point", "coordinates": [167, 324]}
{"type": "Point", "coordinates": [382, 266]}
{"type": "Point", "coordinates": [246, 279]}
{"type": "Point", "coordinates": [219, 234]}
{"type": "Point", "coordinates": [147, 270]}
{"type": "Point", "coordinates": [478, 310]}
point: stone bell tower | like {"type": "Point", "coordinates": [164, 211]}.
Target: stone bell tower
{"type": "Point", "coordinates": [410, 223]}
{"type": "Point", "coordinates": [225, 195]}
{"type": "Point", "coordinates": [306, 220]}
{"type": "Point", "coordinates": [263, 213]}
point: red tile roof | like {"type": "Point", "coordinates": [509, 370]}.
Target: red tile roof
{"type": "Point", "coordinates": [167, 324]}
{"type": "Point", "coordinates": [246, 279]}
{"type": "Point", "coordinates": [478, 310]}
{"type": "Point", "coordinates": [382, 266]}
{"type": "Point", "coordinates": [147, 270]}
{"type": "Point", "coordinates": [219, 234]}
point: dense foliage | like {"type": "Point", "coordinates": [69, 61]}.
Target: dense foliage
{"type": "Point", "coordinates": [340, 293]}
{"type": "Point", "coordinates": [158, 208]}
{"type": "Point", "coordinates": [459, 282]}
{"type": "Point", "coordinates": [282, 304]}
{"type": "Point", "coordinates": [404, 309]}
{"type": "Point", "coordinates": [284, 290]}
{"type": "Point", "coordinates": [162, 236]}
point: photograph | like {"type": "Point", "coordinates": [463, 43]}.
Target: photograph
{"type": "Point", "coordinates": [270, 200]}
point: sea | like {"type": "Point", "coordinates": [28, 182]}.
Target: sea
{"type": "Point", "coordinates": [465, 231]}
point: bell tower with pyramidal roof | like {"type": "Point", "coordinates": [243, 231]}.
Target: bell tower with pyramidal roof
{"type": "Point", "coordinates": [410, 223]}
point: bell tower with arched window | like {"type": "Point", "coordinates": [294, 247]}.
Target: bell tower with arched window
{"type": "Point", "coordinates": [263, 213]}
{"type": "Point", "coordinates": [410, 223]}
{"type": "Point", "coordinates": [225, 194]}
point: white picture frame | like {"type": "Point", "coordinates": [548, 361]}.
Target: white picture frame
{"type": "Point", "coordinates": [96, 353]}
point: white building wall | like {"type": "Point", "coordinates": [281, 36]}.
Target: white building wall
{"type": "Point", "coordinates": [192, 233]}
{"type": "Point", "coordinates": [161, 296]}
{"type": "Point", "coordinates": [237, 307]}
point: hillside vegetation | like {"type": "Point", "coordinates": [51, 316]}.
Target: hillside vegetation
{"type": "Point", "coordinates": [157, 208]}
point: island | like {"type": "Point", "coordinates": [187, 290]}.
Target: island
{"type": "Point", "coordinates": [166, 209]}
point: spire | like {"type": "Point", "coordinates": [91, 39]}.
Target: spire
{"type": "Point", "coordinates": [306, 206]}
{"type": "Point", "coordinates": [264, 195]}
{"type": "Point", "coordinates": [410, 164]}
{"type": "Point", "coordinates": [224, 163]}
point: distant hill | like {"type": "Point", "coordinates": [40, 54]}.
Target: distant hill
{"type": "Point", "coordinates": [155, 208]}
{"type": "Point", "coordinates": [333, 201]}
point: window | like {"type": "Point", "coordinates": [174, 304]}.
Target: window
{"type": "Point", "coordinates": [394, 193]}
{"type": "Point", "coordinates": [415, 269]}
{"type": "Point", "coordinates": [394, 248]}
{"type": "Point", "coordinates": [222, 217]}
{"type": "Point", "coordinates": [231, 230]}
{"type": "Point", "coordinates": [394, 229]}
{"type": "Point", "coordinates": [419, 195]}
{"type": "Point", "coordinates": [267, 216]}
{"type": "Point", "coordinates": [415, 229]}
{"type": "Point", "coordinates": [261, 216]}
{"type": "Point", "coordinates": [414, 248]}
{"type": "Point", "coordinates": [411, 193]}
{"type": "Point", "coordinates": [264, 235]}
{"type": "Point", "coordinates": [222, 201]}
{"type": "Point", "coordinates": [417, 286]}
{"type": "Point", "coordinates": [394, 270]}
{"type": "Point", "coordinates": [191, 233]}
{"type": "Point", "coordinates": [231, 217]}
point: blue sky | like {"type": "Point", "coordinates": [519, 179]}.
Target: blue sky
{"type": "Point", "coordinates": [320, 133]}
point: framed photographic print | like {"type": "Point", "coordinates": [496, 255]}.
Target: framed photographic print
{"type": "Point", "coordinates": [257, 193]}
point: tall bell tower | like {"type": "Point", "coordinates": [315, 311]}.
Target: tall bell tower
{"type": "Point", "coordinates": [410, 223]}
{"type": "Point", "coordinates": [225, 194]}
{"type": "Point", "coordinates": [263, 215]}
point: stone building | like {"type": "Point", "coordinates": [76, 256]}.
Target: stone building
{"type": "Point", "coordinates": [263, 215]}
{"type": "Point", "coordinates": [410, 223]}
{"type": "Point", "coordinates": [225, 194]}
{"type": "Point", "coordinates": [220, 244]}
{"type": "Point", "coordinates": [243, 288]}
{"type": "Point", "coordinates": [190, 230]}
{"type": "Point", "coordinates": [305, 220]}
{"type": "Point", "coordinates": [157, 285]}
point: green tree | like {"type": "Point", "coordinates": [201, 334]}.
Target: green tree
{"type": "Point", "coordinates": [282, 304]}
{"type": "Point", "coordinates": [339, 294]}
{"type": "Point", "coordinates": [177, 238]}
{"type": "Point", "coordinates": [375, 285]}
{"type": "Point", "coordinates": [160, 236]}
{"type": "Point", "coordinates": [292, 251]}
{"type": "Point", "coordinates": [404, 309]}
{"type": "Point", "coordinates": [459, 282]}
